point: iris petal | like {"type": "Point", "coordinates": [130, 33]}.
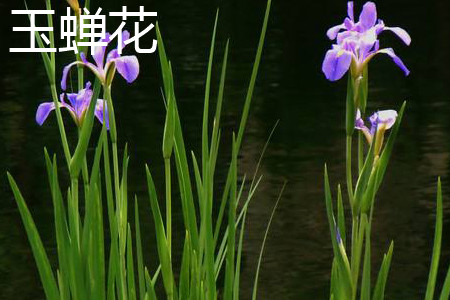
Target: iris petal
{"type": "Point", "coordinates": [401, 33]}
{"type": "Point", "coordinates": [43, 111]}
{"type": "Point", "coordinates": [128, 67]}
{"type": "Point", "coordinates": [387, 117]}
{"type": "Point", "coordinates": [336, 63]}
{"type": "Point", "coordinates": [395, 58]}
{"type": "Point", "coordinates": [113, 54]}
{"type": "Point", "coordinates": [333, 31]}
{"type": "Point", "coordinates": [101, 104]}
{"type": "Point", "coordinates": [368, 16]}
{"type": "Point", "coordinates": [99, 51]}
{"type": "Point", "coordinates": [125, 36]}
{"type": "Point", "coordinates": [72, 99]}
{"type": "Point", "coordinates": [350, 10]}
{"type": "Point", "coordinates": [64, 75]}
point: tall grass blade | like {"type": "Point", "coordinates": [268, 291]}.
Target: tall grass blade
{"type": "Point", "coordinates": [437, 245]}
{"type": "Point", "coordinates": [380, 285]}
{"type": "Point", "coordinates": [41, 258]}
{"type": "Point", "coordinates": [255, 284]}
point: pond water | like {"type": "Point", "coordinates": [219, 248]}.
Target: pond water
{"type": "Point", "coordinates": [290, 88]}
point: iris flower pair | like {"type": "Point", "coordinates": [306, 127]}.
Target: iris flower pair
{"type": "Point", "coordinates": [357, 43]}
{"type": "Point", "coordinates": [126, 66]}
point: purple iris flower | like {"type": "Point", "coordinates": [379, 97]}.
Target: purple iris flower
{"type": "Point", "coordinates": [79, 103]}
{"type": "Point", "coordinates": [127, 66]}
{"type": "Point", "coordinates": [357, 43]}
{"type": "Point", "coordinates": [380, 122]}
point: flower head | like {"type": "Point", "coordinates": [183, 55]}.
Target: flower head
{"type": "Point", "coordinates": [357, 42]}
{"type": "Point", "coordinates": [127, 66]}
{"type": "Point", "coordinates": [380, 122]}
{"type": "Point", "coordinates": [77, 106]}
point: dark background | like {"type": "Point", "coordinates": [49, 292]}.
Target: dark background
{"type": "Point", "coordinates": [290, 88]}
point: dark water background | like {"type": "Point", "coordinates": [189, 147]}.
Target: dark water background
{"type": "Point", "coordinates": [290, 88]}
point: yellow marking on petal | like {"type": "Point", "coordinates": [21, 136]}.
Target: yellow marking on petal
{"type": "Point", "coordinates": [340, 53]}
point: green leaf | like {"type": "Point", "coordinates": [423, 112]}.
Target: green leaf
{"type": "Point", "coordinates": [40, 256]}
{"type": "Point", "coordinates": [61, 228]}
{"type": "Point", "coordinates": [341, 215]}
{"type": "Point", "coordinates": [378, 293]}
{"type": "Point", "coordinates": [239, 257]}
{"type": "Point", "coordinates": [445, 294]}
{"type": "Point", "coordinates": [384, 158]}
{"type": "Point", "coordinates": [365, 282]}
{"type": "Point", "coordinates": [169, 128]}
{"type": "Point", "coordinates": [437, 245]}
{"type": "Point", "coordinates": [130, 267]}
{"type": "Point", "coordinates": [231, 246]}
{"type": "Point", "coordinates": [86, 129]}
{"type": "Point", "coordinates": [205, 146]}
{"type": "Point", "coordinates": [184, 181]}
{"type": "Point", "coordinates": [185, 265]}
{"type": "Point", "coordinates": [140, 259]}
{"type": "Point", "coordinates": [163, 250]}
{"type": "Point", "coordinates": [343, 266]}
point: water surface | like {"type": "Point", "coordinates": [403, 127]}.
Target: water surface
{"type": "Point", "coordinates": [290, 88]}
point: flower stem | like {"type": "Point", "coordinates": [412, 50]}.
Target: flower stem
{"type": "Point", "coordinates": [113, 135]}
{"type": "Point", "coordinates": [360, 153]}
{"type": "Point", "coordinates": [75, 212]}
{"type": "Point", "coordinates": [119, 205]}
{"type": "Point", "coordinates": [61, 127]}
{"type": "Point", "coordinates": [349, 170]}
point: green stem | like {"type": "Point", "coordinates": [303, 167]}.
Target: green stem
{"type": "Point", "coordinates": [349, 170]}
{"type": "Point", "coordinates": [75, 211]}
{"type": "Point", "coordinates": [113, 134]}
{"type": "Point", "coordinates": [168, 205]}
{"type": "Point", "coordinates": [360, 152]}
{"type": "Point", "coordinates": [85, 172]}
{"type": "Point", "coordinates": [61, 127]}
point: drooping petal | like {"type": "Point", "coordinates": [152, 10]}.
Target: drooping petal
{"type": "Point", "coordinates": [101, 112]}
{"type": "Point", "coordinates": [368, 16]}
{"type": "Point", "coordinates": [387, 117]}
{"type": "Point", "coordinates": [333, 31]}
{"type": "Point", "coordinates": [99, 51]}
{"type": "Point", "coordinates": [128, 67]}
{"type": "Point", "coordinates": [65, 74]}
{"type": "Point", "coordinates": [336, 63]}
{"type": "Point", "coordinates": [401, 33]}
{"type": "Point", "coordinates": [395, 58]}
{"type": "Point", "coordinates": [350, 10]}
{"type": "Point", "coordinates": [43, 111]}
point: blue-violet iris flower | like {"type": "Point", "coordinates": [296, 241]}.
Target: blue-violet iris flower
{"type": "Point", "coordinates": [380, 122]}
{"type": "Point", "coordinates": [357, 43]}
{"type": "Point", "coordinates": [127, 65]}
{"type": "Point", "coordinates": [79, 103]}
